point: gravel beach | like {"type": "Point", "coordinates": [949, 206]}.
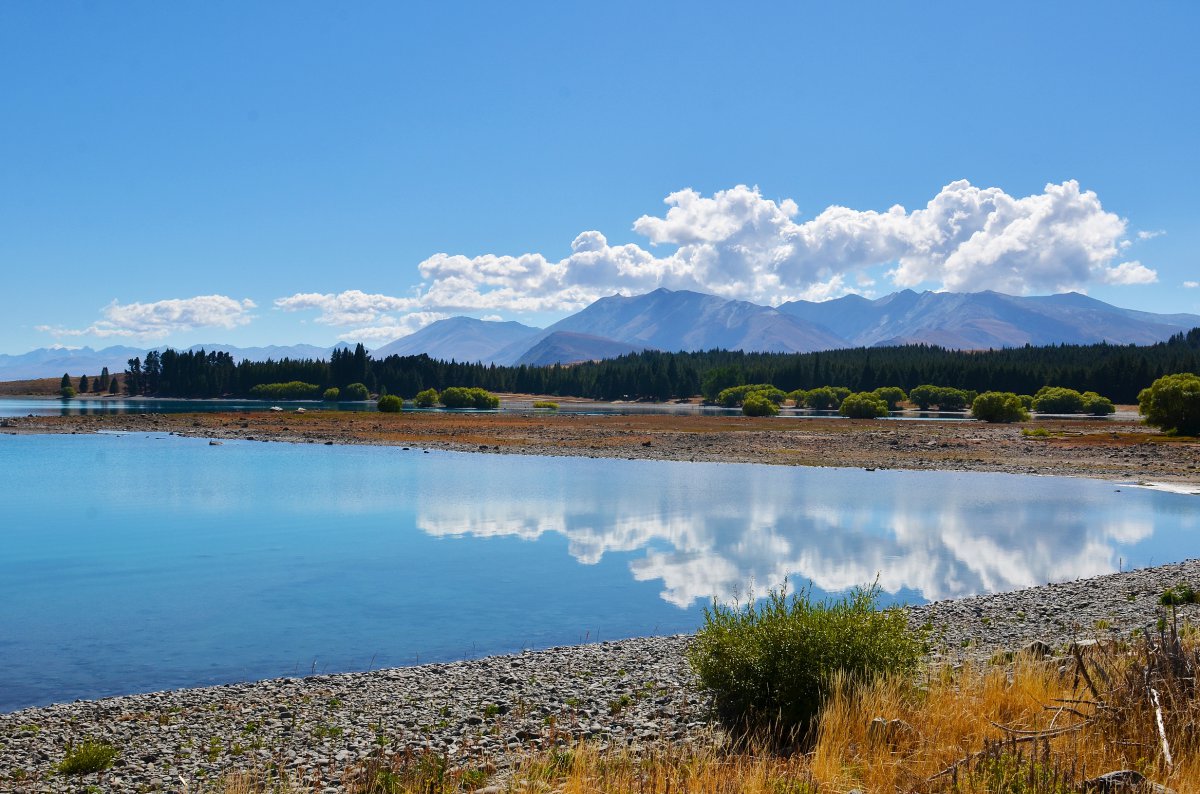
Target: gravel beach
{"type": "Point", "coordinates": [484, 713]}
{"type": "Point", "coordinates": [1109, 449]}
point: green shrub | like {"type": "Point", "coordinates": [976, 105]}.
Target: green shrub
{"type": "Point", "coordinates": [1026, 401]}
{"type": "Point", "coordinates": [292, 390]}
{"type": "Point", "coordinates": [822, 398]}
{"type": "Point", "coordinates": [950, 399]}
{"type": "Point", "coordinates": [999, 406]}
{"type": "Point", "coordinates": [390, 404]}
{"type": "Point", "coordinates": [86, 758]}
{"type": "Point", "coordinates": [891, 395]}
{"type": "Point", "coordinates": [757, 404]}
{"type": "Point", "coordinates": [924, 396]}
{"type": "Point", "coordinates": [1057, 400]}
{"type": "Point", "coordinates": [770, 666]}
{"type": "Point", "coordinates": [331, 395]}
{"type": "Point", "coordinates": [864, 405]}
{"type": "Point", "coordinates": [735, 395]}
{"type": "Point", "coordinates": [553, 406]}
{"type": "Point", "coordinates": [1096, 405]}
{"type": "Point", "coordinates": [67, 392]}
{"type": "Point", "coordinates": [474, 397]}
{"type": "Point", "coordinates": [797, 397]}
{"type": "Point", "coordinates": [1172, 403]}
{"type": "Point", "coordinates": [426, 399]}
{"type": "Point", "coordinates": [356, 392]}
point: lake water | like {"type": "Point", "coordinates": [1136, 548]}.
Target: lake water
{"type": "Point", "coordinates": [137, 562]}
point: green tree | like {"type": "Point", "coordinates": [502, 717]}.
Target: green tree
{"type": "Point", "coordinates": [355, 392]}
{"type": "Point", "coordinates": [1172, 403]}
{"type": "Point", "coordinates": [390, 404]}
{"type": "Point", "coordinates": [995, 406]}
{"type": "Point", "coordinates": [114, 385]}
{"type": "Point", "coordinates": [891, 395]}
{"type": "Point", "coordinates": [65, 382]}
{"type": "Point", "coordinates": [759, 404]}
{"type": "Point", "coordinates": [101, 385]}
{"type": "Point", "coordinates": [67, 392]}
{"type": "Point", "coordinates": [1097, 405]}
{"type": "Point", "coordinates": [950, 399]}
{"type": "Point", "coordinates": [863, 405]}
{"type": "Point", "coordinates": [924, 396]}
{"type": "Point", "coordinates": [426, 398]}
{"type": "Point", "coordinates": [85, 385]}
{"type": "Point", "coordinates": [1057, 400]}
{"type": "Point", "coordinates": [821, 398]}
{"type": "Point", "coordinates": [798, 397]}
{"type": "Point", "coordinates": [331, 394]}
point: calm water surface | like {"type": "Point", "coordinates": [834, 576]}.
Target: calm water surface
{"type": "Point", "coordinates": [136, 562]}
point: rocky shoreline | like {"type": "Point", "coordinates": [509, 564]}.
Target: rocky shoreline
{"type": "Point", "coordinates": [484, 713]}
{"type": "Point", "coordinates": [1108, 449]}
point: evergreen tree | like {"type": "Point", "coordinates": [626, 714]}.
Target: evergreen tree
{"type": "Point", "coordinates": [84, 385]}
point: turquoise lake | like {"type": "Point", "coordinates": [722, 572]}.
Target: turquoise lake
{"type": "Point", "coordinates": [138, 562]}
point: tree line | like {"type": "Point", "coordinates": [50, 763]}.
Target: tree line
{"type": "Point", "coordinates": [1118, 372]}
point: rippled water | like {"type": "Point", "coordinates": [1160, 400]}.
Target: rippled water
{"type": "Point", "coordinates": [134, 562]}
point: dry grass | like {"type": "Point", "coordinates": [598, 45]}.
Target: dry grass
{"type": "Point", "coordinates": [1026, 727]}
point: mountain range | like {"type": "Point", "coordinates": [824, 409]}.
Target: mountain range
{"type": "Point", "coordinates": [51, 362]}
{"type": "Point", "coordinates": [684, 320]}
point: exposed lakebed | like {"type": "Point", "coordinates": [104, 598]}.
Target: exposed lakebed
{"type": "Point", "coordinates": [139, 562]}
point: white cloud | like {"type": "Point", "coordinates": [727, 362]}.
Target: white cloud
{"type": "Point", "coordinates": [739, 244]}
{"type": "Point", "coordinates": [394, 329]}
{"type": "Point", "coordinates": [1150, 235]}
{"type": "Point", "coordinates": [1191, 284]}
{"type": "Point", "coordinates": [162, 318]}
{"type": "Point", "coordinates": [346, 308]}
{"type": "Point", "coordinates": [1129, 273]}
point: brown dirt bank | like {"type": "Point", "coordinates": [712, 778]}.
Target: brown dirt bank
{"type": "Point", "coordinates": [1104, 449]}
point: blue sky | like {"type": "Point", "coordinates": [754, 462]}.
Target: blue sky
{"type": "Point", "coordinates": [256, 173]}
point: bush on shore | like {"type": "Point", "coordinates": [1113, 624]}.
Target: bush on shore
{"type": "Point", "coordinates": [945, 398]}
{"type": "Point", "coordinates": [426, 399]}
{"type": "Point", "coordinates": [331, 395]}
{"type": "Point", "coordinates": [892, 395]}
{"type": "Point", "coordinates": [771, 666]}
{"type": "Point", "coordinates": [356, 392]}
{"type": "Point", "coordinates": [547, 404]}
{"type": "Point", "coordinates": [1172, 404]}
{"type": "Point", "coordinates": [864, 405]}
{"type": "Point", "coordinates": [999, 407]}
{"type": "Point", "coordinates": [759, 404]}
{"type": "Point", "coordinates": [390, 404]}
{"type": "Point", "coordinates": [822, 398]}
{"type": "Point", "coordinates": [474, 397]}
{"type": "Point", "coordinates": [292, 390]}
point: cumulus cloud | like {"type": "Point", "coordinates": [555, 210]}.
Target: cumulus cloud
{"type": "Point", "coordinates": [739, 244]}
{"type": "Point", "coordinates": [162, 318]}
{"type": "Point", "coordinates": [394, 329]}
{"type": "Point", "coordinates": [346, 308]}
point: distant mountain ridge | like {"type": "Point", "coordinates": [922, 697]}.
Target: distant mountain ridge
{"type": "Point", "coordinates": [685, 320]}
{"type": "Point", "coordinates": [51, 362]}
{"type": "Point", "coordinates": [980, 320]}
{"type": "Point", "coordinates": [460, 339]}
